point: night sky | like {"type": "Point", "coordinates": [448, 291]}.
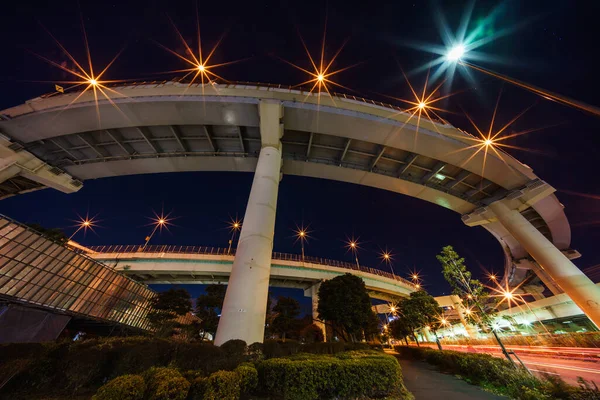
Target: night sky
{"type": "Point", "coordinates": [551, 44]}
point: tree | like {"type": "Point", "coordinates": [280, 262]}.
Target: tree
{"type": "Point", "coordinates": [471, 292]}
{"type": "Point", "coordinates": [286, 309]}
{"type": "Point", "coordinates": [55, 234]}
{"type": "Point", "coordinates": [400, 329]}
{"type": "Point", "coordinates": [208, 307]}
{"type": "Point", "coordinates": [311, 334]}
{"type": "Point", "coordinates": [423, 311]}
{"type": "Point", "coordinates": [371, 330]}
{"type": "Point", "coordinates": [345, 305]}
{"type": "Point", "coordinates": [166, 307]}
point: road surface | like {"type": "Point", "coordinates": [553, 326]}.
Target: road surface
{"type": "Point", "coordinates": [569, 363]}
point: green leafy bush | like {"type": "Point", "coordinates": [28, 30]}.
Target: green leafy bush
{"type": "Point", "coordinates": [498, 374]}
{"type": "Point", "coordinates": [198, 388]}
{"type": "Point", "coordinates": [248, 377]}
{"type": "Point", "coordinates": [234, 347]}
{"type": "Point", "coordinates": [311, 377]}
{"type": "Point", "coordinates": [200, 356]}
{"type": "Point", "coordinates": [165, 384]}
{"type": "Point", "coordinates": [126, 387]}
{"type": "Point", "coordinates": [223, 385]}
{"type": "Point", "coordinates": [255, 351]}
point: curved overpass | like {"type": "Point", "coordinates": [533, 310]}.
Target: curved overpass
{"type": "Point", "coordinates": [205, 265]}
{"type": "Point", "coordinates": [170, 127]}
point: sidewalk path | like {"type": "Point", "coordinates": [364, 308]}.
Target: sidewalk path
{"type": "Point", "coordinates": [425, 382]}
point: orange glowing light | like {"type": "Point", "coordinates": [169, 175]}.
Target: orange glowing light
{"type": "Point", "coordinates": [84, 78]}
{"type": "Point", "coordinates": [320, 74]}
{"type": "Point", "coordinates": [200, 67]}
{"type": "Point", "coordinates": [85, 224]}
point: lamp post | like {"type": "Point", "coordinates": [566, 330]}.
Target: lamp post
{"type": "Point", "coordinates": [387, 258]}
{"type": "Point", "coordinates": [159, 222]}
{"type": "Point", "coordinates": [235, 226]}
{"type": "Point", "coordinates": [352, 245]}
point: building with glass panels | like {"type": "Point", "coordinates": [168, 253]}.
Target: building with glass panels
{"type": "Point", "coordinates": [36, 271]}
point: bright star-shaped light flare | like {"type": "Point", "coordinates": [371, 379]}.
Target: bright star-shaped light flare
{"type": "Point", "coordinates": [84, 77]}
{"type": "Point", "coordinates": [85, 224]}
{"type": "Point", "coordinates": [302, 233]}
{"type": "Point", "coordinates": [456, 52]}
{"type": "Point", "coordinates": [200, 68]}
{"type": "Point", "coordinates": [491, 141]}
{"type": "Point", "coordinates": [235, 224]}
{"type": "Point", "coordinates": [320, 74]}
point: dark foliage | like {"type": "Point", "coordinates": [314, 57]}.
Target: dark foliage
{"type": "Point", "coordinates": [345, 304]}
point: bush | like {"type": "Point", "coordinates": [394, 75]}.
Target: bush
{"type": "Point", "coordinates": [351, 376]}
{"type": "Point", "coordinates": [499, 375]}
{"type": "Point", "coordinates": [223, 385]}
{"type": "Point", "coordinates": [201, 356]}
{"type": "Point", "coordinates": [248, 377]}
{"type": "Point", "coordinates": [165, 384]}
{"type": "Point", "coordinates": [126, 387]}
{"type": "Point", "coordinates": [255, 351]}
{"type": "Point", "coordinates": [234, 347]}
{"type": "Point", "coordinates": [198, 388]}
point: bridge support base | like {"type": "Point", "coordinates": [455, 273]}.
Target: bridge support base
{"type": "Point", "coordinates": [313, 293]}
{"type": "Point", "coordinates": [244, 309]}
{"type": "Point", "coordinates": [460, 309]}
{"type": "Point", "coordinates": [575, 283]}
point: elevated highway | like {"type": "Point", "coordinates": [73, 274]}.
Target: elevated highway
{"type": "Point", "coordinates": [206, 265]}
{"type": "Point", "coordinates": [273, 130]}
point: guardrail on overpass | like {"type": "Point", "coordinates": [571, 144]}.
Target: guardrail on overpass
{"type": "Point", "coordinates": [174, 249]}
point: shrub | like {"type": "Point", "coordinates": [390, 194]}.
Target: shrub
{"type": "Point", "coordinates": [234, 347]}
{"type": "Point", "coordinates": [200, 356]}
{"type": "Point", "coordinates": [499, 375]}
{"type": "Point", "coordinates": [255, 351]}
{"type": "Point", "coordinates": [223, 385]}
{"type": "Point", "coordinates": [126, 387]}
{"type": "Point", "coordinates": [198, 388]}
{"type": "Point", "coordinates": [248, 377]}
{"type": "Point", "coordinates": [165, 384]}
{"type": "Point", "coordinates": [312, 377]}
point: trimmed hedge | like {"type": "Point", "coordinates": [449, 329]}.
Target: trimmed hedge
{"type": "Point", "coordinates": [126, 387]}
{"type": "Point", "coordinates": [248, 376]}
{"type": "Point", "coordinates": [351, 375]}
{"type": "Point", "coordinates": [165, 384]}
{"type": "Point", "coordinates": [223, 385]}
{"type": "Point", "coordinates": [498, 375]}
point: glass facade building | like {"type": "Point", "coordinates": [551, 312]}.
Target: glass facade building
{"type": "Point", "coordinates": [38, 271]}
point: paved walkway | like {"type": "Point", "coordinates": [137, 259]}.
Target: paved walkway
{"type": "Point", "coordinates": [425, 382]}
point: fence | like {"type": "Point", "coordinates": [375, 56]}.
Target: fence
{"type": "Point", "coordinates": [174, 249]}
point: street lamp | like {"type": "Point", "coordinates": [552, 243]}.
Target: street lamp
{"type": "Point", "coordinates": [352, 245]}
{"type": "Point", "coordinates": [235, 225]}
{"type": "Point", "coordinates": [387, 258]}
{"type": "Point", "coordinates": [302, 235]}
{"type": "Point", "coordinates": [161, 221]}
{"type": "Point", "coordinates": [85, 224]}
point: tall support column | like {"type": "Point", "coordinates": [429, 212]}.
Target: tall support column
{"type": "Point", "coordinates": [244, 309]}
{"type": "Point", "coordinates": [575, 283]}
{"type": "Point", "coordinates": [460, 309]}
{"type": "Point", "coordinates": [313, 293]}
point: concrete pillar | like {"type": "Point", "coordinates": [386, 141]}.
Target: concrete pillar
{"type": "Point", "coordinates": [536, 291]}
{"type": "Point", "coordinates": [546, 279]}
{"type": "Point", "coordinates": [244, 309]}
{"type": "Point", "coordinates": [313, 292]}
{"type": "Point", "coordinates": [428, 335]}
{"type": "Point", "coordinates": [458, 306]}
{"type": "Point", "coordinates": [575, 283]}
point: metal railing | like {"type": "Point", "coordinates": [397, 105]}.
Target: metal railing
{"type": "Point", "coordinates": [175, 249]}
